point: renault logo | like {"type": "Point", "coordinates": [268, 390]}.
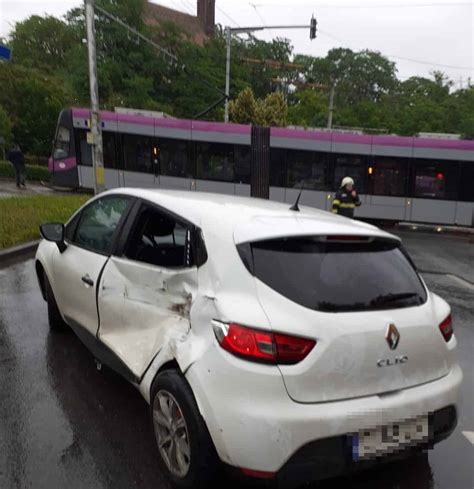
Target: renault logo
{"type": "Point", "coordinates": [392, 336]}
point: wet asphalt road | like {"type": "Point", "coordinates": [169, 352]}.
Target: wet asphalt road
{"type": "Point", "coordinates": [63, 424]}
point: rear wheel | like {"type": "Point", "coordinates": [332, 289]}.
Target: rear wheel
{"type": "Point", "coordinates": [56, 322]}
{"type": "Point", "coordinates": [186, 452]}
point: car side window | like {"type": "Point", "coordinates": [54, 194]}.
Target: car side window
{"type": "Point", "coordinates": [160, 240]}
{"type": "Point", "coordinates": [98, 222]}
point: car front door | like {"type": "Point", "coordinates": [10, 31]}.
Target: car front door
{"type": "Point", "coordinates": [77, 270]}
{"type": "Point", "coordinates": [146, 291]}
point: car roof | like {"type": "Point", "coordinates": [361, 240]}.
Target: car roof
{"type": "Point", "coordinates": [251, 219]}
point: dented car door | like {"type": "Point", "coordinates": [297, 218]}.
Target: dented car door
{"type": "Point", "coordinates": [145, 294]}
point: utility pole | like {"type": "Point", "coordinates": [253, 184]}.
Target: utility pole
{"type": "Point", "coordinates": [331, 103]}
{"type": "Point", "coordinates": [248, 30]}
{"type": "Point", "coordinates": [227, 76]}
{"type": "Point", "coordinates": [96, 129]}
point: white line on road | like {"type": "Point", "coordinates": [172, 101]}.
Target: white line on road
{"type": "Point", "coordinates": [469, 435]}
{"type": "Point", "coordinates": [461, 281]}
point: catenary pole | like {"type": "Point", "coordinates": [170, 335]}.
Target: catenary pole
{"type": "Point", "coordinates": [331, 104]}
{"type": "Point", "coordinates": [96, 129]}
{"type": "Point", "coordinates": [227, 76]}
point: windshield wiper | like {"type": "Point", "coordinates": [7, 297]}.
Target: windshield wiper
{"type": "Point", "coordinates": [387, 298]}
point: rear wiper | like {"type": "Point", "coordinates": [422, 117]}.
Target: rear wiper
{"type": "Point", "coordinates": [387, 298]}
{"type": "Point", "coordinates": [331, 307]}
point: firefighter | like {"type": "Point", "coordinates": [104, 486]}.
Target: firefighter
{"type": "Point", "coordinates": [346, 199]}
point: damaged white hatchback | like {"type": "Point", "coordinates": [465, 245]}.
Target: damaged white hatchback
{"type": "Point", "coordinates": [285, 344]}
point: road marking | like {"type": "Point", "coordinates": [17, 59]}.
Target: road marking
{"type": "Point", "coordinates": [461, 281]}
{"type": "Point", "coordinates": [469, 435]}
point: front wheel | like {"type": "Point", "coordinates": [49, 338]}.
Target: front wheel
{"type": "Point", "coordinates": [56, 322]}
{"type": "Point", "coordinates": [186, 452]}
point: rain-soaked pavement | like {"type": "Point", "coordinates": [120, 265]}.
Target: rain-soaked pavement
{"type": "Point", "coordinates": [63, 424]}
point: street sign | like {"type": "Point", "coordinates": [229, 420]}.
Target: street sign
{"type": "Point", "coordinates": [5, 53]}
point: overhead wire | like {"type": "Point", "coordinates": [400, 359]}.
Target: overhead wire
{"type": "Point", "coordinates": [187, 6]}
{"type": "Point", "coordinates": [227, 15]}
{"type": "Point", "coordinates": [412, 60]}
{"type": "Point", "coordinates": [400, 5]}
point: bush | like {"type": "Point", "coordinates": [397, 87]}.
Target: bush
{"type": "Point", "coordinates": [36, 160]}
{"type": "Point", "coordinates": [34, 173]}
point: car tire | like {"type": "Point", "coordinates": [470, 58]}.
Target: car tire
{"type": "Point", "coordinates": [56, 322]}
{"type": "Point", "coordinates": [201, 467]}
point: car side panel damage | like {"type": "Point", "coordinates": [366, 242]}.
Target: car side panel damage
{"type": "Point", "coordinates": [144, 309]}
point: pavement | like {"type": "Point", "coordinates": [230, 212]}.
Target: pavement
{"type": "Point", "coordinates": [8, 188]}
{"type": "Point", "coordinates": [64, 424]}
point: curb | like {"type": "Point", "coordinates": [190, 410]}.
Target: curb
{"type": "Point", "coordinates": [436, 229]}
{"type": "Point", "coordinates": [17, 253]}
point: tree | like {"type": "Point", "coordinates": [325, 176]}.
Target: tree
{"type": "Point", "coordinates": [50, 71]}
{"type": "Point", "coordinates": [33, 102]}
{"type": "Point", "coordinates": [244, 108]}
{"type": "Point", "coordinates": [260, 76]}
{"type": "Point", "coordinates": [308, 108]}
{"type": "Point", "coordinates": [5, 128]}
{"type": "Point", "coordinates": [270, 111]}
{"type": "Point", "coordinates": [42, 42]}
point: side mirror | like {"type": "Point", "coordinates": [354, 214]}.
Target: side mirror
{"type": "Point", "coordinates": [54, 231]}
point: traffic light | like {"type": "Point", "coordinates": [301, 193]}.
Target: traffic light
{"type": "Point", "coordinates": [312, 28]}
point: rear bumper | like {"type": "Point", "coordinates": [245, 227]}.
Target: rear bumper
{"type": "Point", "coordinates": [255, 425]}
{"type": "Point", "coordinates": [332, 457]}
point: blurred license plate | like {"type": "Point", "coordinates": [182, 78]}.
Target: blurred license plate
{"type": "Point", "coordinates": [389, 438]}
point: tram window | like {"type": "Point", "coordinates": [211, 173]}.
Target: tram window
{"type": "Point", "coordinates": [277, 167]}
{"type": "Point", "coordinates": [215, 161]}
{"type": "Point", "coordinates": [306, 168]}
{"type": "Point", "coordinates": [353, 166]}
{"type": "Point", "coordinates": [466, 188]}
{"type": "Point", "coordinates": [436, 179]}
{"type": "Point", "coordinates": [242, 163]}
{"type": "Point", "coordinates": [85, 149]}
{"type": "Point", "coordinates": [110, 156]}
{"type": "Point", "coordinates": [389, 176]}
{"type": "Point", "coordinates": [173, 155]}
{"type": "Point", "coordinates": [62, 143]}
{"type": "Point", "coordinates": [137, 152]}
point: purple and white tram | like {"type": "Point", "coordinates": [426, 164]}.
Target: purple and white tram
{"type": "Point", "coordinates": [413, 179]}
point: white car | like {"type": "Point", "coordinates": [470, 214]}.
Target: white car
{"type": "Point", "coordinates": [288, 344]}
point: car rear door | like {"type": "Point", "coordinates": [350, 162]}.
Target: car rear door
{"type": "Point", "coordinates": [146, 290]}
{"type": "Point", "coordinates": [77, 270]}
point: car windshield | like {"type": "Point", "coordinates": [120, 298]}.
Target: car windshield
{"type": "Point", "coordinates": [337, 276]}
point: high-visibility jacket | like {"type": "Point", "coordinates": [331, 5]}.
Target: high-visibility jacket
{"type": "Point", "coordinates": [344, 204]}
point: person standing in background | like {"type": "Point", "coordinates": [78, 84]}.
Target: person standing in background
{"type": "Point", "coordinates": [346, 199]}
{"type": "Point", "coordinates": [16, 158]}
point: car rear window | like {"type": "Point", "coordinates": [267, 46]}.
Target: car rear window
{"type": "Point", "coordinates": [336, 276]}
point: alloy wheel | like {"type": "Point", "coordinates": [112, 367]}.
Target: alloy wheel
{"type": "Point", "coordinates": [171, 433]}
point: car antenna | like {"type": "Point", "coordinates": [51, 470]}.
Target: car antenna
{"type": "Point", "coordinates": [295, 207]}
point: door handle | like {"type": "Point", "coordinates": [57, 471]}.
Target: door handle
{"type": "Point", "coordinates": [87, 280]}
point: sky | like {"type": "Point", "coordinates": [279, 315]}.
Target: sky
{"type": "Point", "coordinates": [419, 35]}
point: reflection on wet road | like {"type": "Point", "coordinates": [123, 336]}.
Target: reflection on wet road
{"type": "Point", "coordinates": [63, 424]}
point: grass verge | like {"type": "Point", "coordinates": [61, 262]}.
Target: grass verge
{"type": "Point", "coordinates": [20, 217]}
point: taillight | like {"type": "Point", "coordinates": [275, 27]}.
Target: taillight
{"type": "Point", "coordinates": [262, 346]}
{"type": "Point", "coordinates": [446, 328]}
